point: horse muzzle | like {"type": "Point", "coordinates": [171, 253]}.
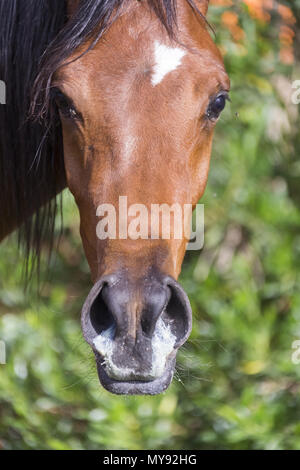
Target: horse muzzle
{"type": "Point", "coordinates": [135, 329]}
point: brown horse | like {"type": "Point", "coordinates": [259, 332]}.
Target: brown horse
{"type": "Point", "coordinates": [127, 94]}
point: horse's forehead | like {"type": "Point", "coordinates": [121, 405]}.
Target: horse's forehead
{"type": "Point", "coordinates": [137, 41]}
{"type": "Point", "coordinates": [156, 60]}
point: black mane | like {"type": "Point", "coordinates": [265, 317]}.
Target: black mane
{"type": "Point", "coordinates": [35, 39]}
{"type": "Point", "coordinates": [31, 162]}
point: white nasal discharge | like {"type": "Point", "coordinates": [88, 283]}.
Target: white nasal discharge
{"type": "Point", "coordinates": [167, 59]}
{"type": "Point", "coordinates": [163, 343]}
{"type": "Point", "coordinates": [104, 342]}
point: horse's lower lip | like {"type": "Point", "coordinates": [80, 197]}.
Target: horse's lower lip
{"type": "Point", "coordinates": [136, 387]}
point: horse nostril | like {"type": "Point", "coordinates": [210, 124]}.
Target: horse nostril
{"type": "Point", "coordinates": [100, 316]}
{"type": "Point", "coordinates": [167, 307]}
{"type": "Point", "coordinates": [177, 314]}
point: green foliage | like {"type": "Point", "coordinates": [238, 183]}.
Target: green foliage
{"type": "Point", "coordinates": [236, 386]}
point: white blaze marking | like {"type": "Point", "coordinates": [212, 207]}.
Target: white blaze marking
{"type": "Point", "coordinates": [166, 60]}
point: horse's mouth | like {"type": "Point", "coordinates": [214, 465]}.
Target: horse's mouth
{"type": "Point", "coordinates": [136, 387]}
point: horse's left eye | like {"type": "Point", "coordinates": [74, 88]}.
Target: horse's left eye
{"type": "Point", "coordinates": [216, 106]}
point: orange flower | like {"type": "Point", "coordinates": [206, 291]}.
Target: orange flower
{"type": "Point", "coordinates": [286, 14]}
{"type": "Point", "coordinates": [230, 20]}
{"type": "Point", "coordinates": [287, 55]}
{"type": "Point", "coordinates": [286, 35]}
{"type": "Point", "coordinates": [257, 11]}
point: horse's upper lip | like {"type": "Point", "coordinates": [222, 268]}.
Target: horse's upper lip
{"type": "Point", "coordinates": [136, 387]}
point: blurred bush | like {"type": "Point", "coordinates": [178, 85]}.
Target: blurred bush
{"type": "Point", "coordinates": [236, 386]}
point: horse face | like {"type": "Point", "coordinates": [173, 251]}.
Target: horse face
{"type": "Point", "coordinates": [138, 112]}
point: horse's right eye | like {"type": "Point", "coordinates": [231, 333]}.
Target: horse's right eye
{"type": "Point", "coordinates": [65, 105]}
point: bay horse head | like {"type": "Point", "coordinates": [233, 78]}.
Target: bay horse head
{"type": "Point", "coordinates": [139, 87]}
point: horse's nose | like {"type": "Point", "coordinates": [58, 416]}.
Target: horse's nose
{"type": "Point", "coordinates": [135, 327]}
{"type": "Point", "coordinates": [133, 310]}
